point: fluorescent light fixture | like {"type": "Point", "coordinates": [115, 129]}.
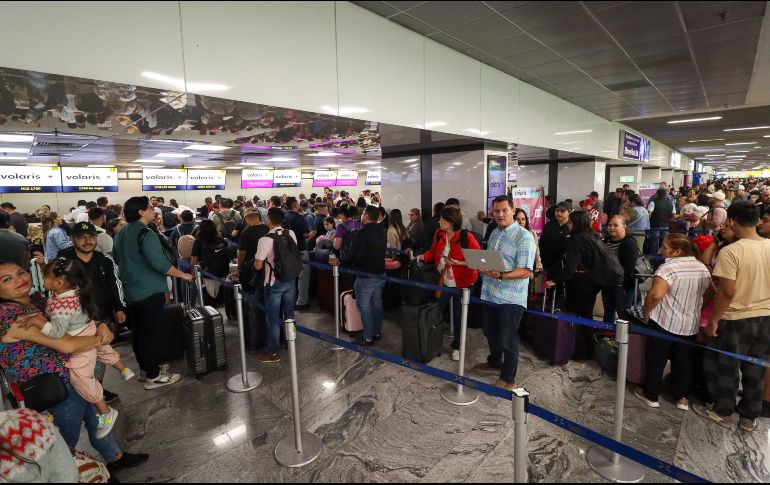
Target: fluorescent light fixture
{"type": "Point", "coordinates": [748, 128]}
{"type": "Point", "coordinates": [572, 132]}
{"type": "Point", "coordinates": [13, 150]}
{"type": "Point", "coordinates": [13, 158]}
{"type": "Point", "coordinates": [477, 132]}
{"type": "Point", "coordinates": [17, 138]}
{"type": "Point", "coordinates": [715, 155]}
{"type": "Point", "coordinates": [411, 160]}
{"type": "Point", "coordinates": [324, 154]}
{"type": "Point", "coordinates": [435, 124]}
{"type": "Point", "coordinates": [144, 160]}
{"type": "Point", "coordinates": [206, 148]}
{"type": "Point", "coordinates": [100, 166]}
{"type": "Point", "coordinates": [736, 156]}
{"type": "Point", "coordinates": [371, 162]}
{"type": "Point", "coordinates": [713, 139]}
{"type": "Point", "coordinates": [741, 151]}
{"type": "Point", "coordinates": [457, 163]}
{"type": "Point", "coordinates": [173, 155]}
{"type": "Point", "coordinates": [179, 84]}
{"type": "Point", "coordinates": [344, 110]}
{"type": "Point", "coordinates": [193, 167]}
{"type": "Point", "coordinates": [741, 143]}
{"type": "Point", "coordinates": [693, 120]}
{"type": "Point", "coordinates": [281, 159]}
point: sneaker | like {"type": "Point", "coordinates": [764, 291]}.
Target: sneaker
{"type": "Point", "coordinates": [164, 369]}
{"type": "Point", "coordinates": [163, 379]}
{"type": "Point", "coordinates": [505, 385]}
{"type": "Point", "coordinates": [639, 392]}
{"type": "Point", "coordinates": [378, 337]}
{"type": "Point", "coordinates": [485, 368]}
{"type": "Point", "coordinates": [456, 355]}
{"type": "Point", "coordinates": [128, 460]}
{"type": "Point", "coordinates": [713, 416]}
{"type": "Point", "coordinates": [363, 342]}
{"type": "Point", "coordinates": [127, 374]}
{"type": "Point", "coordinates": [269, 358]}
{"type": "Point", "coordinates": [683, 404]}
{"type": "Point", "coordinates": [748, 425]}
{"type": "Point", "coordinates": [109, 396]}
{"type": "Point", "coordinates": [105, 423]}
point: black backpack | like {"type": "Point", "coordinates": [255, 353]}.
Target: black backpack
{"type": "Point", "coordinates": [229, 224]}
{"type": "Point", "coordinates": [216, 258]}
{"type": "Point", "coordinates": [169, 251]}
{"type": "Point", "coordinates": [170, 220]}
{"type": "Point", "coordinates": [346, 251]}
{"type": "Point", "coordinates": [606, 270]}
{"type": "Point", "coordinates": [287, 262]}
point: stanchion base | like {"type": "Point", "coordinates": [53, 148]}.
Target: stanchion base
{"type": "Point", "coordinates": [626, 471]}
{"type": "Point", "coordinates": [451, 394]}
{"type": "Point", "coordinates": [235, 383]}
{"type": "Point", "coordinates": [286, 451]}
{"type": "Point", "coordinates": [332, 346]}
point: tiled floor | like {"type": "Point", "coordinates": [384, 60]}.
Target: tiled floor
{"type": "Point", "coordinates": [384, 423]}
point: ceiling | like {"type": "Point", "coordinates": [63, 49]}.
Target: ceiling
{"type": "Point", "coordinates": [616, 59]}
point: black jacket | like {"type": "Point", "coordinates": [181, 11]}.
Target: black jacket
{"type": "Point", "coordinates": [103, 274]}
{"type": "Point", "coordinates": [553, 247]}
{"type": "Point", "coordinates": [627, 252]}
{"type": "Point", "coordinates": [579, 255]}
{"type": "Point", "coordinates": [368, 253]}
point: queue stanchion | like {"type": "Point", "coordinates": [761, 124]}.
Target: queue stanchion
{"type": "Point", "coordinates": [459, 395]}
{"type": "Point", "coordinates": [336, 278]}
{"type": "Point", "coordinates": [611, 465]}
{"type": "Point", "coordinates": [520, 435]}
{"type": "Point", "coordinates": [199, 284]}
{"type": "Point", "coordinates": [451, 333]}
{"type": "Point", "coordinates": [303, 447]}
{"type": "Point", "coordinates": [246, 381]}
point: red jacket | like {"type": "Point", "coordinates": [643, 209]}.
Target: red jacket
{"type": "Point", "coordinates": [464, 277]}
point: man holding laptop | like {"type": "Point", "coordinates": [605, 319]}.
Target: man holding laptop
{"type": "Point", "coordinates": [505, 268]}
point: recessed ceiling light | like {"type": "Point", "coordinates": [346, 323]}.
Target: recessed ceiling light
{"type": "Point", "coordinates": [13, 150]}
{"type": "Point", "coordinates": [741, 143]}
{"type": "Point", "coordinates": [13, 158]}
{"type": "Point", "coordinates": [17, 138]}
{"type": "Point", "coordinates": [736, 156]}
{"type": "Point", "coordinates": [714, 139]}
{"type": "Point", "coordinates": [206, 148]}
{"type": "Point", "coordinates": [411, 160]}
{"type": "Point", "coordinates": [692, 120]}
{"type": "Point", "coordinates": [572, 132]}
{"type": "Point", "coordinates": [173, 155]}
{"type": "Point", "coordinates": [180, 83]}
{"type": "Point", "coordinates": [748, 128]}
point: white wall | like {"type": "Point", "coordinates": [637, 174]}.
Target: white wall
{"type": "Point", "coordinates": [463, 176]}
{"type": "Point", "coordinates": [533, 176]}
{"type": "Point", "coordinates": [651, 175]}
{"type": "Point", "coordinates": [191, 198]}
{"type": "Point", "coordinates": [354, 62]}
{"type": "Point", "coordinates": [401, 181]}
{"type": "Point", "coordinates": [577, 180]}
{"type": "Point", "coordinates": [617, 172]}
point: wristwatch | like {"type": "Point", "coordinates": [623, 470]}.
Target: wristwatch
{"type": "Point", "coordinates": [501, 275]}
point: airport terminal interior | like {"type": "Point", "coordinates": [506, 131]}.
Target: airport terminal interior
{"type": "Point", "coordinates": [377, 111]}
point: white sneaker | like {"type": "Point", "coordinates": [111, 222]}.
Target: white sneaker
{"type": "Point", "coordinates": [164, 369]}
{"type": "Point", "coordinates": [456, 355]}
{"type": "Point", "coordinates": [163, 379]}
{"type": "Point", "coordinates": [105, 423]}
{"type": "Point", "coordinates": [638, 392]}
{"type": "Point", "coordinates": [683, 404]}
{"type": "Point", "coordinates": [127, 374]}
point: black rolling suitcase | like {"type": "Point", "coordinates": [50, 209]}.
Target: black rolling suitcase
{"type": "Point", "coordinates": [172, 333]}
{"type": "Point", "coordinates": [421, 273]}
{"type": "Point", "coordinates": [422, 337]}
{"type": "Point", "coordinates": [205, 340]}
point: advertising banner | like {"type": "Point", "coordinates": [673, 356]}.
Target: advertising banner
{"type": "Point", "coordinates": [532, 201]}
{"type": "Point", "coordinates": [647, 191]}
{"type": "Point", "coordinates": [496, 177]}
{"type": "Point", "coordinates": [634, 147]}
{"type": "Point", "coordinates": [164, 179]}
{"type": "Point", "coordinates": [347, 178]}
{"type": "Point", "coordinates": [373, 178]}
{"type": "Point", "coordinates": [206, 179]}
{"type": "Point", "coordinates": [23, 180]}
{"type": "Point", "coordinates": [256, 179]}
{"type": "Point", "coordinates": [84, 179]}
{"type": "Point", "coordinates": [287, 178]}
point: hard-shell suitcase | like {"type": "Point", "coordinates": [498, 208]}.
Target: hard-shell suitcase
{"type": "Point", "coordinates": [421, 273]}
{"type": "Point", "coordinates": [554, 339]}
{"type": "Point", "coordinates": [325, 284]}
{"type": "Point", "coordinates": [349, 312]}
{"type": "Point", "coordinates": [421, 334]}
{"type": "Point", "coordinates": [205, 340]}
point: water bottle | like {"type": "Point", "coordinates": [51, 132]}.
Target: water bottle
{"type": "Point", "coordinates": [332, 257]}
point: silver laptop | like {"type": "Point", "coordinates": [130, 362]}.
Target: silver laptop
{"type": "Point", "coordinates": [486, 260]}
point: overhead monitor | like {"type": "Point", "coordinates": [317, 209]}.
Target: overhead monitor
{"type": "Point", "coordinates": [634, 147]}
{"type": "Point", "coordinates": [324, 178]}
{"type": "Point", "coordinates": [676, 159]}
{"type": "Point", "coordinates": [22, 180]}
{"type": "Point", "coordinates": [347, 178]}
{"type": "Point", "coordinates": [164, 179]}
{"type": "Point", "coordinates": [496, 175]}
{"type": "Point", "coordinates": [374, 178]}
{"type": "Point", "coordinates": [206, 179]}
{"type": "Point", "coordinates": [256, 179]}
{"type": "Point", "coordinates": [84, 179]}
{"type": "Point", "coordinates": [287, 178]}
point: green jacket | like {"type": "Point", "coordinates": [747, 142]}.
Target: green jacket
{"type": "Point", "coordinates": [143, 273]}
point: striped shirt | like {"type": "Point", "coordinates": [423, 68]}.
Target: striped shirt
{"type": "Point", "coordinates": [679, 311]}
{"type": "Point", "coordinates": [518, 249]}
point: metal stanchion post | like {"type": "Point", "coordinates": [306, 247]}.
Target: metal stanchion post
{"type": "Point", "coordinates": [611, 465]}
{"type": "Point", "coordinates": [303, 447]}
{"type": "Point", "coordinates": [199, 283]}
{"type": "Point", "coordinates": [520, 435]}
{"type": "Point", "coordinates": [451, 333]}
{"type": "Point", "coordinates": [458, 395]}
{"type": "Point", "coordinates": [336, 277]}
{"type": "Point", "coordinates": [246, 381]}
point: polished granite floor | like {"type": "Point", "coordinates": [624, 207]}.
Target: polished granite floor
{"type": "Point", "coordinates": [384, 423]}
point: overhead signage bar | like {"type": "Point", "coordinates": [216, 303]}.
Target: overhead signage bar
{"type": "Point", "coordinates": [373, 178]}
{"type": "Point", "coordinates": [634, 147]}
{"type": "Point", "coordinates": [256, 179]}
{"type": "Point", "coordinates": [84, 179]}
{"type": "Point", "coordinates": [287, 178]}
{"type": "Point", "coordinates": [23, 180]}
{"type": "Point", "coordinates": [347, 178]}
{"type": "Point", "coordinates": [324, 178]}
{"type": "Point", "coordinates": [164, 179]}
{"type": "Point", "coordinates": [206, 179]}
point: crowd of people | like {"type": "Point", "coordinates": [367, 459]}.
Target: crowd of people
{"type": "Point", "coordinates": [67, 293]}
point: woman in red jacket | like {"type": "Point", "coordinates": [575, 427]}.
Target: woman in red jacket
{"type": "Point", "coordinates": [450, 263]}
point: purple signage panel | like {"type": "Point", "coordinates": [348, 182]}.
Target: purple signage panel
{"type": "Point", "coordinates": [496, 177]}
{"type": "Point", "coordinates": [634, 147]}
{"type": "Point", "coordinates": [347, 178]}
{"type": "Point", "coordinates": [256, 179]}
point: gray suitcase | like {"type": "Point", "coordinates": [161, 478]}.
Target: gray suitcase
{"type": "Point", "coordinates": [205, 340]}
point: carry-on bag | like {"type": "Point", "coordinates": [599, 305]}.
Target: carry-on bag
{"type": "Point", "coordinates": [349, 313]}
{"type": "Point", "coordinates": [421, 273]}
{"type": "Point", "coordinates": [421, 333]}
{"type": "Point", "coordinates": [554, 339]}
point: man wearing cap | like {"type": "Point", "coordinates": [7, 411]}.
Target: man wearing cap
{"type": "Point", "coordinates": [18, 221]}
{"type": "Point", "coordinates": [553, 242]}
{"type": "Point", "coordinates": [740, 194]}
{"type": "Point", "coordinates": [593, 214]}
{"type": "Point", "coordinates": [717, 217]}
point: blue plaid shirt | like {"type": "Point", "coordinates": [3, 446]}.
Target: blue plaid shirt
{"type": "Point", "coordinates": [518, 249]}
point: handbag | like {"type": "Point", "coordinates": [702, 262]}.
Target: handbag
{"type": "Point", "coordinates": [43, 392]}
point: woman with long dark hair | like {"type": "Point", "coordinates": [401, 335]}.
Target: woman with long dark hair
{"type": "Point", "coordinates": [396, 230]}
{"type": "Point", "coordinates": [212, 252]}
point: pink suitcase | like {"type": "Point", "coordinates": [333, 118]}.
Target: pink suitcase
{"type": "Point", "coordinates": [351, 316]}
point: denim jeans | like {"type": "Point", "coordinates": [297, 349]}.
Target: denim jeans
{"type": "Point", "coordinates": [615, 301]}
{"type": "Point", "coordinates": [369, 302]}
{"type": "Point", "coordinates": [457, 309]}
{"type": "Point", "coordinates": [279, 303]}
{"type": "Point", "coordinates": [656, 235]}
{"type": "Point", "coordinates": [303, 284]}
{"type": "Point", "coordinates": [71, 414]}
{"type": "Point", "coordinates": [501, 327]}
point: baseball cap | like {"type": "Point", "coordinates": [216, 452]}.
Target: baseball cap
{"type": "Point", "coordinates": [588, 201]}
{"type": "Point", "coordinates": [8, 205]}
{"type": "Point", "coordinates": [564, 206]}
{"type": "Point", "coordinates": [718, 195]}
{"type": "Point", "coordinates": [84, 228]}
{"type": "Point", "coordinates": [739, 187]}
